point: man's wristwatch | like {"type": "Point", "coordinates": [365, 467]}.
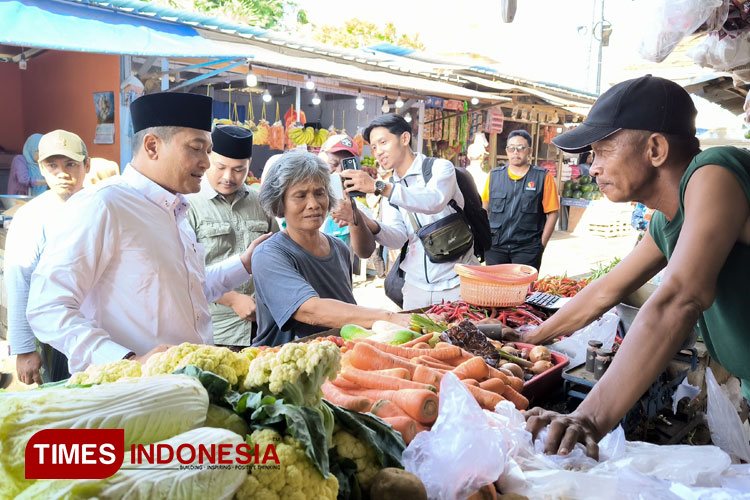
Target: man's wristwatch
{"type": "Point", "coordinates": [379, 187]}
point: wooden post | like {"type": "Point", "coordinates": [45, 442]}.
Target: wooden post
{"type": "Point", "coordinates": [493, 150]}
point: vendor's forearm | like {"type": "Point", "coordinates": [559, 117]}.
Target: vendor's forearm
{"type": "Point", "coordinates": [363, 241]}
{"type": "Point", "coordinates": [589, 304]}
{"type": "Point", "coordinates": [333, 313]}
{"type": "Point", "coordinates": [652, 341]}
{"type": "Point", "coordinates": [549, 227]}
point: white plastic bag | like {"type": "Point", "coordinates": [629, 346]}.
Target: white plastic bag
{"type": "Point", "coordinates": [462, 452]}
{"type": "Point", "coordinates": [666, 22]}
{"type": "Point", "coordinates": [725, 425]}
{"type": "Point", "coordinates": [574, 347]}
{"type": "Point", "coordinates": [722, 54]}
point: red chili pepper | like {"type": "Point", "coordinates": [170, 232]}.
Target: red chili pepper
{"type": "Point", "coordinates": [530, 315]}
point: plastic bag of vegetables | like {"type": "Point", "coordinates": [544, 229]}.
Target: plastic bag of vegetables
{"type": "Point", "coordinates": [173, 480]}
{"type": "Point", "coordinates": [149, 409]}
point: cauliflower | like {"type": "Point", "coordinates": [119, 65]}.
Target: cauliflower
{"type": "Point", "coordinates": [298, 478]}
{"type": "Point", "coordinates": [295, 372]}
{"type": "Point", "coordinates": [109, 372]}
{"type": "Point", "coordinates": [348, 446]}
{"type": "Point", "coordinates": [218, 360]}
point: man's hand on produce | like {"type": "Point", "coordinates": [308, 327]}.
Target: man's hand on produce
{"type": "Point", "coordinates": [244, 307]}
{"type": "Point", "coordinates": [247, 256]}
{"type": "Point", "coordinates": [400, 319]}
{"type": "Point", "coordinates": [155, 350]}
{"type": "Point", "coordinates": [564, 431]}
{"type": "Point", "coordinates": [27, 367]}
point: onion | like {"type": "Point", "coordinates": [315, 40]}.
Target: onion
{"type": "Point", "coordinates": [539, 353]}
{"type": "Point", "coordinates": [510, 350]}
{"type": "Point", "coordinates": [541, 367]}
{"type": "Point", "coordinates": [516, 370]}
{"type": "Point", "coordinates": [524, 353]}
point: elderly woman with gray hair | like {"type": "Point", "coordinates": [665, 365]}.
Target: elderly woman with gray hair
{"type": "Point", "coordinates": [303, 278]}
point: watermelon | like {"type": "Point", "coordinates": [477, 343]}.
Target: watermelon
{"type": "Point", "coordinates": [588, 195]}
{"type": "Point", "coordinates": [568, 185]}
{"type": "Point", "coordinates": [585, 179]}
{"type": "Point", "coordinates": [567, 193]}
{"type": "Point", "coordinates": [578, 194]}
{"type": "Point", "coordinates": [587, 188]}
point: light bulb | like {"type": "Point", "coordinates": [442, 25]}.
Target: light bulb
{"type": "Point", "coordinates": [315, 99]}
{"type": "Point", "coordinates": [267, 96]}
{"type": "Point", "coordinates": [309, 84]}
{"type": "Point", "coordinates": [399, 102]}
{"type": "Point", "coordinates": [251, 79]}
{"type": "Point", "coordinates": [407, 117]}
{"type": "Point", "coordinates": [22, 63]}
{"type": "Point", "coordinates": [360, 107]}
{"type": "Point", "coordinates": [386, 107]}
{"type": "Point", "coordinates": [360, 101]}
{"type": "Point", "coordinates": [474, 101]}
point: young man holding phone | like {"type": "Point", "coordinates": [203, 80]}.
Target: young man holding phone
{"type": "Point", "coordinates": [345, 222]}
{"type": "Point", "coordinates": [408, 192]}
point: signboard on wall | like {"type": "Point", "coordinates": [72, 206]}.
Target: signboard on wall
{"type": "Point", "coordinates": [494, 122]}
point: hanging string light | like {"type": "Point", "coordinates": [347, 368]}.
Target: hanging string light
{"type": "Point", "coordinates": [315, 99]}
{"type": "Point", "coordinates": [309, 83]}
{"type": "Point", "coordinates": [407, 117]}
{"type": "Point", "coordinates": [251, 79]}
{"type": "Point", "coordinates": [360, 101]}
{"type": "Point", "coordinates": [399, 102]}
{"type": "Point", "coordinates": [386, 107]}
{"type": "Point", "coordinates": [267, 96]}
{"type": "Point", "coordinates": [474, 101]}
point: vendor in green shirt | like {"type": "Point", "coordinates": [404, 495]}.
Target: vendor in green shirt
{"type": "Point", "coordinates": [226, 216]}
{"type": "Point", "coordinates": [642, 132]}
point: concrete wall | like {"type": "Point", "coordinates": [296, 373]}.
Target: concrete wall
{"type": "Point", "coordinates": [56, 91]}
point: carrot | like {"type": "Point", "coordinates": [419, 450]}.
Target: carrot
{"type": "Point", "coordinates": [341, 398]}
{"type": "Point", "coordinates": [470, 381]}
{"type": "Point", "coordinates": [372, 380]}
{"type": "Point", "coordinates": [419, 404]}
{"type": "Point", "coordinates": [427, 375]}
{"type": "Point", "coordinates": [465, 356]}
{"type": "Point", "coordinates": [495, 373]}
{"type": "Point", "coordinates": [443, 345]}
{"type": "Point", "coordinates": [395, 372]}
{"type": "Point", "coordinates": [405, 425]}
{"type": "Point", "coordinates": [421, 427]}
{"type": "Point", "coordinates": [343, 383]}
{"type": "Point", "coordinates": [486, 399]}
{"type": "Point", "coordinates": [366, 357]}
{"type": "Point", "coordinates": [516, 398]}
{"type": "Point", "coordinates": [494, 385]}
{"type": "Point", "coordinates": [384, 408]}
{"type": "Point", "coordinates": [410, 352]}
{"type": "Point", "coordinates": [474, 368]}
{"type": "Point", "coordinates": [431, 362]}
{"type": "Point", "coordinates": [422, 345]}
{"type": "Point", "coordinates": [516, 383]}
{"type": "Point", "coordinates": [424, 338]}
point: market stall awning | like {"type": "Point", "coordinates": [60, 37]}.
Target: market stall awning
{"type": "Point", "coordinates": [84, 28]}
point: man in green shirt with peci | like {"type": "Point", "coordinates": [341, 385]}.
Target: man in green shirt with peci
{"type": "Point", "coordinates": [226, 216]}
{"type": "Point", "coordinates": [642, 132]}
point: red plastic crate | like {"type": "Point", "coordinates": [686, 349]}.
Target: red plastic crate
{"type": "Point", "coordinates": [544, 382]}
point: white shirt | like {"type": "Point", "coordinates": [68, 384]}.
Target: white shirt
{"type": "Point", "coordinates": [26, 239]}
{"type": "Point", "coordinates": [429, 203]}
{"type": "Point", "coordinates": [125, 273]}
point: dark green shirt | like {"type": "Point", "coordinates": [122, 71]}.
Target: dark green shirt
{"type": "Point", "coordinates": [725, 326]}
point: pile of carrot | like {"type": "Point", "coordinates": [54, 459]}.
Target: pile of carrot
{"type": "Point", "coordinates": [400, 383]}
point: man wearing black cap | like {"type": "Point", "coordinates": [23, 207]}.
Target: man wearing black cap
{"type": "Point", "coordinates": [124, 276]}
{"type": "Point", "coordinates": [226, 216]}
{"type": "Point", "coordinates": [642, 132]}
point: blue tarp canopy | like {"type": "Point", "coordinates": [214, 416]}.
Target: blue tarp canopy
{"type": "Point", "coordinates": [59, 25]}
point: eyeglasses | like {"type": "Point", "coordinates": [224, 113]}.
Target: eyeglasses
{"type": "Point", "coordinates": [517, 148]}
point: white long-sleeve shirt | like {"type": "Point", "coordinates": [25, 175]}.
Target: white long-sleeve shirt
{"type": "Point", "coordinates": [125, 273]}
{"type": "Point", "coordinates": [429, 203]}
{"type": "Point", "coordinates": [26, 239]}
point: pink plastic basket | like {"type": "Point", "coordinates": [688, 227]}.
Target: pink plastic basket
{"type": "Point", "coordinates": [501, 285]}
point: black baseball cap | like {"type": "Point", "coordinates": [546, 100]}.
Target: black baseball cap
{"type": "Point", "coordinates": [646, 103]}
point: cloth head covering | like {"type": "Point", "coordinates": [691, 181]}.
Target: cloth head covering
{"type": "Point", "coordinates": [29, 148]}
{"type": "Point", "coordinates": [232, 141]}
{"type": "Point", "coordinates": [169, 109]}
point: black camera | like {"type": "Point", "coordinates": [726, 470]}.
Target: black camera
{"type": "Point", "coordinates": [352, 163]}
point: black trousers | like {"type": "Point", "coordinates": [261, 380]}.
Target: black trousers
{"type": "Point", "coordinates": [530, 255]}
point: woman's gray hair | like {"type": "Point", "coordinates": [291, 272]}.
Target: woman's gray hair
{"type": "Point", "coordinates": [292, 168]}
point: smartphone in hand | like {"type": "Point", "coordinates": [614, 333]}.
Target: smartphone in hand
{"type": "Point", "coordinates": [352, 163]}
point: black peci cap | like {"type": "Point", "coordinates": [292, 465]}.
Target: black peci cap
{"type": "Point", "coordinates": [646, 103]}
{"type": "Point", "coordinates": [167, 109]}
{"type": "Point", "coordinates": [232, 141]}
